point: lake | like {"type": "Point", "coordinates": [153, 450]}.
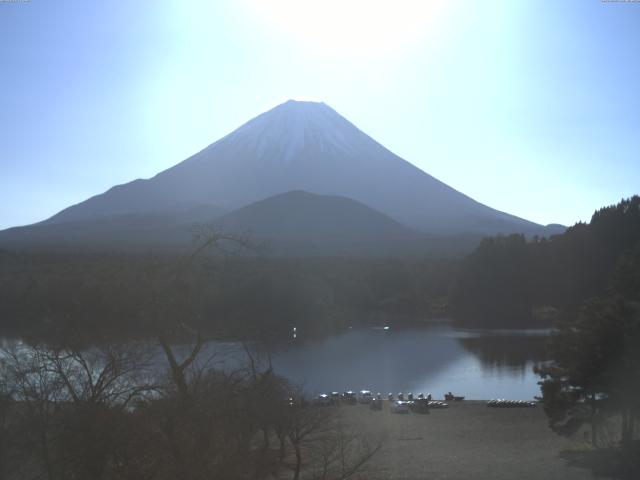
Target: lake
{"type": "Point", "coordinates": [435, 359]}
{"type": "Point", "coordinates": [477, 364]}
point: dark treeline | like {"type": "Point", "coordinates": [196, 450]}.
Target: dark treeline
{"type": "Point", "coordinates": [593, 382]}
{"type": "Point", "coordinates": [240, 297]}
{"type": "Point", "coordinates": [509, 281]}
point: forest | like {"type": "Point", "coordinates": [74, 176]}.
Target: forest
{"type": "Point", "coordinates": [510, 281]}
{"type": "Point", "coordinates": [125, 294]}
{"type": "Point", "coordinates": [507, 281]}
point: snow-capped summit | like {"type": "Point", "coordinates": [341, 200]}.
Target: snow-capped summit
{"type": "Point", "coordinates": [295, 125]}
{"type": "Point", "coordinates": [306, 146]}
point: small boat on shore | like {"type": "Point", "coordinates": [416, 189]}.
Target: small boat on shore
{"type": "Point", "coordinates": [450, 397]}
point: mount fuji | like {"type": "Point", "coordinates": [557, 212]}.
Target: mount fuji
{"type": "Point", "coordinates": [296, 146]}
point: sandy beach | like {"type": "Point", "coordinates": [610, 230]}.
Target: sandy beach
{"type": "Point", "coordinates": [466, 441]}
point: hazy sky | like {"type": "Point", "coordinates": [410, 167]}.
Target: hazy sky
{"type": "Point", "coordinates": [531, 107]}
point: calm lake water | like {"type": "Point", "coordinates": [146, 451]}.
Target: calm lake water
{"type": "Point", "coordinates": [477, 364]}
{"type": "Point", "coordinates": [436, 359]}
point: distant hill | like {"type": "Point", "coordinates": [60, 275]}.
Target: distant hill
{"type": "Point", "coordinates": [300, 223]}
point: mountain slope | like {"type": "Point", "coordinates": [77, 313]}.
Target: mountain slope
{"type": "Point", "coordinates": [295, 223]}
{"type": "Point", "coordinates": [304, 146]}
{"type": "Point", "coordinates": [115, 231]}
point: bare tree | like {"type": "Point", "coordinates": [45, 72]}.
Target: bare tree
{"type": "Point", "coordinates": [37, 393]}
{"type": "Point", "coordinates": [341, 454]}
{"type": "Point", "coordinates": [305, 426]}
{"type": "Point", "coordinates": [102, 412]}
{"type": "Point", "coordinates": [70, 404]}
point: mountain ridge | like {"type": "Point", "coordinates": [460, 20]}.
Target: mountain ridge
{"type": "Point", "coordinates": [306, 146]}
{"type": "Point", "coordinates": [295, 146]}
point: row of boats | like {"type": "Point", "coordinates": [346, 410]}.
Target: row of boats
{"type": "Point", "coordinates": [401, 403]}
{"type": "Point", "coordinates": [502, 403]}
{"type": "Point", "coordinates": [366, 396]}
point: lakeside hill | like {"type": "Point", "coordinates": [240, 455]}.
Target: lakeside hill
{"type": "Point", "coordinates": [295, 146]}
{"type": "Point", "coordinates": [302, 223]}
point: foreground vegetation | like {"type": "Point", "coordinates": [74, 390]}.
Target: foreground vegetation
{"type": "Point", "coordinates": [594, 378]}
{"type": "Point", "coordinates": [104, 413]}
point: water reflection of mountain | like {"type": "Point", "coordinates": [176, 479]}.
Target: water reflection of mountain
{"type": "Point", "coordinates": [513, 351]}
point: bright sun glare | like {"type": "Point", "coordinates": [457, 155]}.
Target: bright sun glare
{"type": "Point", "coordinates": [351, 27]}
